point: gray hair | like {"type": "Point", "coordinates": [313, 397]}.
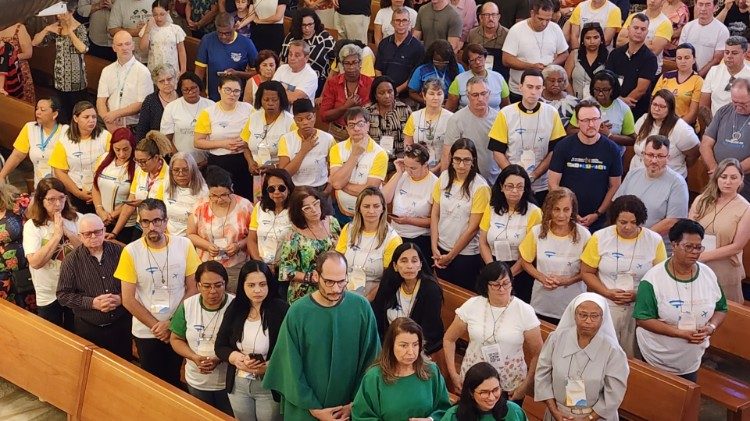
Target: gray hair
{"type": "Point", "coordinates": [163, 68]}
{"type": "Point", "coordinates": [737, 40]}
{"type": "Point", "coordinates": [432, 83]}
{"type": "Point", "coordinates": [88, 217]}
{"type": "Point", "coordinates": [742, 82]}
{"type": "Point", "coordinates": [552, 69]}
{"type": "Point", "coordinates": [401, 11]}
{"type": "Point", "coordinates": [474, 80]}
{"type": "Point", "coordinates": [197, 182]}
{"type": "Point", "coordinates": [224, 19]}
{"type": "Point", "coordinates": [350, 50]}
{"type": "Point", "coordinates": [299, 43]}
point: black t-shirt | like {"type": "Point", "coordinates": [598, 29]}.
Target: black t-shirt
{"type": "Point", "coordinates": [354, 7]}
{"type": "Point", "coordinates": [641, 65]}
{"type": "Point", "coordinates": [736, 21]}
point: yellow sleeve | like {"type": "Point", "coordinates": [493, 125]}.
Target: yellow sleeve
{"type": "Point", "coordinates": [192, 261]}
{"type": "Point", "coordinates": [527, 248]}
{"type": "Point", "coordinates": [334, 156]}
{"type": "Point", "coordinates": [245, 132]}
{"type": "Point", "coordinates": [389, 249]}
{"type": "Point", "coordinates": [480, 200]}
{"type": "Point", "coordinates": [283, 149]}
{"type": "Point", "coordinates": [664, 30]}
{"type": "Point", "coordinates": [343, 239]}
{"type": "Point", "coordinates": [203, 123]}
{"type": "Point", "coordinates": [136, 180]}
{"type": "Point", "coordinates": [499, 130]}
{"type": "Point", "coordinates": [409, 126]}
{"type": "Point", "coordinates": [436, 193]}
{"type": "Point", "coordinates": [627, 21]}
{"type": "Point", "coordinates": [697, 89]}
{"type": "Point", "coordinates": [379, 166]}
{"type": "Point", "coordinates": [614, 18]}
{"type": "Point", "coordinates": [558, 131]}
{"type": "Point", "coordinates": [575, 17]}
{"type": "Point", "coordinates": [590, 254]}
{"type": "Point", "coordinates": [160, 191]}
{"type": "Point", "coordinates": [107, 141]}
{"type": "Point", "coordinates": [661, 253]}
{"type": "Point", "coordinates": [22, 143]}
{"type": "Point", "coordinates": [59, 159]}
{"type": "Point", "coordinates": [254, 219]}
{"type": "Point", "coordinates": [534, 219]}
{"type": "Point", "coordinates": [660, 85]}
{"type": "Point", "coordinates": [125, 271]}
{"type": "Point", "coordinates": [484, 224]}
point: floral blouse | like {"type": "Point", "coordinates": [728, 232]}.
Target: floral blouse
{"type": "Point", "coordinates": [298, 254]}
{"type": "Point", "coordinates": [223, 231]}
{"type": "Point", "coordinates": [12, 257]}
{"type": "Point", "coordinates": [70, 68]}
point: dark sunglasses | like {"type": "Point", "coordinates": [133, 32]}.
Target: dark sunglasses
{"type": "Point", "coordinates": [272, 189]}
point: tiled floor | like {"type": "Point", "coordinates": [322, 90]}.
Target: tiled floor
{"type": "Point", "coordinates": [18, 405]}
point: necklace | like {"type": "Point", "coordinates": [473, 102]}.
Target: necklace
{"type": "Point", "coordinates": [736, 134]}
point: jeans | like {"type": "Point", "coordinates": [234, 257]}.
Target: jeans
{"type": "Point", "coordinates": [251, 402]}
{"type": "Point", "coordinates": [57, 314]}
{"type": "Point", "coordinates": [216, 398]}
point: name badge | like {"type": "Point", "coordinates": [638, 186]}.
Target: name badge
{"type": "Point", "coordinates": [264, 156]}
{"type": "Point", "coordinates": [205, 348]}
{"type": "Point", "coordinates": [87, 180]}
{"type": "Point", "coordinates": [624, 281]}
{"type": "Point", "coordinates": [160, 300]}
{"type": "Point", "coordinates": [503, 251]}
{"type": "Point", "coordinates": [575, 394]}
{"type": "Point", "coordinates": [687, 322]}
{"type": "Point", "coordinates": [268, 249]}
{"type": "Point", "coordinates": [489, 62]}
{"type": "Point", "coordinates": [528, 160]}
{"type": "Point", "coordinates": [357, 279]}
{"type": "Point", "coordinates": [493, 355]}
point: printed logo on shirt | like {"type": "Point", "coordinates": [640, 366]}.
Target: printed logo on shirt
{"type": "Point", "coordinates": [587, 164]}
{"type": "Point", "coordinates": [550, 254]}
{"type": "Point", "coordinates": [678, 303]}
{"type": "Point", "coordinates": [499, 225]}
{"type": "Point", "coordinates": [139, 16]}
{"type": "Point", "coordinates": [236, 57]}
{"type": "Point", "coordinates": [152, 269]}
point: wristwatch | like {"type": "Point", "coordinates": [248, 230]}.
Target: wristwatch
{"type": "Point", "coordinates": [308, 277]}
{"type": "Point", "coordinates": [712, 326]}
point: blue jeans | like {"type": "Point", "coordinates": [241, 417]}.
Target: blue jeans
{"type": "Point", "coordinates": [216, 398]}
{"type": "Point", "coordinates": [251, 402]}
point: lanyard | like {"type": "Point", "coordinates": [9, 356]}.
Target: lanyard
{"type": "Point", "coordinates": [44, 142]}
{"type": "Point", "coordinates": [121, 82]}
{"type": "Point", "coordinates": [495, 320]}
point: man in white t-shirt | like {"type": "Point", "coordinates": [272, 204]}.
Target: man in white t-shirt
{"type": "Point", "coordinates": [715, 91]}
{"type": "Point", "coordinates": [298, 78]}
{"type": "Point", "coordinates": [130, 16]}
{"type": "Point", "coordinates": [123, 85]}
{"type": "Point", "coordinates": [707, 34]}
{"type": "Point", "coordinates": [533, 44]}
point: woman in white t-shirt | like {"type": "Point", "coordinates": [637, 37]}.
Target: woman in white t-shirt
{"type": "Point", "coordinates": [269, 224]}
{"type": "Point", "coordinates": [163, 39]}
{"type": "Point", "coordinates": [184, 189]}
{"type": "Point", "coordinates": [459, 199]}
{"type": "Point", "coordinates": [382, 24]}
{"type": "Point", "coordinates": [428, 125]}
{"type": "Point", "coordinates": [502, 329]}
{"type": "Point", "coordinates": [194, 327]}
{"type": "Point", "coordinates": [112, 180]}
{"type": "Point", "coordinates": [410, 192]}
{"type": "Point", "coordinates": [551, 253]}
{"type": "Point", "coordinates": [180, 116]}
{"type": "Point", "coordinates": [662, 119]}
{"type": "Point", "coordinates": [616, 258]}
{"type": "Point", "coordinates": [48, 235]}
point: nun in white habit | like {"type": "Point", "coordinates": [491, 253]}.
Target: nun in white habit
{"type": "Point", "coordinates": [582, 373]}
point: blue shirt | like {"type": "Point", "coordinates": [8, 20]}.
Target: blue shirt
{"type": "Point", "coordinates": [427, 71]}
{"type": "Point", "coordinates": [217, 56]}
{"type": "Point", "coordinates": [398, 61]}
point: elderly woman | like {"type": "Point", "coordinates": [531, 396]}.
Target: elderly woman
{"type": "Point", "coordinates": [388, 116]}
{"type": "Point", "coordinates": [724, 215]}
{"type": "Point", "coordinates": [306, 26]}
{"type": "Point", "coordinates": [266, 64]}
{"type": "Point", "coordinates": [152, 109]}
{"type": "Point", "coordinates": [269, 223]}
{"type": "Point", "coordinates": [185, 188]}
{"type": "Point", "coordinates": [555, 93]}
{"type": "Point", "coordinates": [345, 90]}
{"type": "Point", "coordinates": [511, 342]}
{"type": "Point", "coordinates": [589, 58]}
{"type": "Point", "coordinates": [194, 328]}
{"type": "Point", "coordinates": [582, 371]}
{"type": "Point", "coordinates": [112, 180]}
{"type": "Point", "coordinates": [266, 125]}
{"type": "Point", "coordinates": [482, 398]}
{"type": "Point", "coordinates": [428, 125]}
{"type": "Point", "coordinates": [402, 383]}
{"type": "Point", "coordinates": [476, 55]}
{"type": "Point", "coordinates": [616, 258]}
{"type": "Point", "coordinates": [179, 117]}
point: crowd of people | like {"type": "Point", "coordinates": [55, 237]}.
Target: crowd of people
{"type": "Point", "coordinates": [279, 217]}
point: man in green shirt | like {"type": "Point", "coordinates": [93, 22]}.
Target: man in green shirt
{"type": "Point", "coordinates": [326, 342]}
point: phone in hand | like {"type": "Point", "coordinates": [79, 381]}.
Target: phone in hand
{"type": "Point", "coordinates": [257, 357]}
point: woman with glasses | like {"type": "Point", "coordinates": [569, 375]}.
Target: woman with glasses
{"type": "Point", "coordinates": [409, 191]}
{"type": "Point", "coordinates": [661, 119]}
{"type": "Point", "coordinates": [112, 180]}
{"type": "Point", "coordinates": [402, 383]}
{"type": "Point", "coordinates": [616, 258]}
{"type": "Point", "coordinates": [476, 55]}
{"type": "Point", "coordinates": [314, 231]}
{"type": "Point", "coordinates": [246, 339]}
{"type": "Point", "coordinates": [440, 63]}
{"type": "Point", "coordinates": [582, 371]}
{"type": "Point", "coordinates": [307, 27]}
{"type": "Point", "coordinates": [74, 156]}
{"type": "Point", "coordinates": [149, 179]}
{"type": "Point", "coordinates": [266, 125]}
{"type": "Point", "coordinates": [269, 223]}
{"type": "Point", "coordinates": [589, 58]}
{"type": "Point", "coordinates": [388, 116]}
{"type": "Point", "coordinates": [458, 201]}
{"type": "Point", "coordinates": [217, 130]}
{"type": "Point", "coordinates": [180, 116]}
{"type": "Point", "coordinates": [502, 330]}
{"type": "Point", "coordinates": [49, 233]}
{"type": "Point", "coordinates": [194, 328]}
{"type": "Point", "coordinates": [551, 254]}
{"type": "Point", "coordinates": [368, 243]}
{"type": "Point", "coordinates": [186, 187]}
{"type": "Point", "coordinates": [482, 398]}
{"type": "Point", "coordinates": [724, 215]}
{"type": "Point", "coordinates": [509, 216]}
{"type": "Point", "coordinates": [428, 125]}
{"type": "Point", "coordinates": [164, 77]}
{"type": "Point", "coordinates": [218, 226]}
{"type": "Point", "coordinates": [685, 83]}
{"type": "Point", "coordinates": [555, 92]}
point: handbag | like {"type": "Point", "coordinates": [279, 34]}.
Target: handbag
{"type": "Point", "coordinates": [22, 281]}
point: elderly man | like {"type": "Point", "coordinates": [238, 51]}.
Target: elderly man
{"type": "Point", "coordinates": [123, 85]}
{"type": "Point", "coordinates": [662, 190]}
{"type": "Point", "coordinates": [298, 78]}
{"type": "Point", "coordinates": [130, 16]}
{"type": "Point", "coordinates": [439, 20]}
{"type": "Point", "coordinates": [399, 54]}
{"type": "Point", "coordinates": [715, 92]}
{"type": "Point", "coordinates": [728, 135]}
{"type": "Point", "coordinates": [224, 52]}
{"type": "Point", "coordinates": [707, 34]}
{"type": "Point", "coordinates": [491, 35]}
{"type": "Point", "coordinates": [88, 287]}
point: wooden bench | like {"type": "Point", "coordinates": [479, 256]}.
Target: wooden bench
{"type": "Point", "coordinates": [15, 113]}
{"type": "Point", "coordinates": [191, 51]}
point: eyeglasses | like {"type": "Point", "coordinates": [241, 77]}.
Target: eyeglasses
{"type": "Point", "coordinates": [357, 125]}
{"type": "Point", "coordinates": [650, 155]}
{"type": "Point", "coordinates": [230, 91]}
{"type": "Point", "coordinates": [156, 222]}
{"type": "Point", "coordinates": [272, 189]}
{"type": "Point", "coordinates": [484, 394]}
{"type": "Point", "coordinates": [219, 196]}
{"type": "Point", "coordinates": [143, 161]}
{"type": "Point", "coordinates": [499, 285]}
{"type": "Point", "coordinates": [59, 199]}
{"type": "Point", "coordinates": [659, 106]}
{"type": "Point", "coordinates": [180, 170]}
{"type": "Point", "coordinates": [189, 90]}
{"type": "Point", "coordinates": [589, 316]}
{"type": "Point", "coordinates": [330, 283]}
{"type": "Point", "coordinates": [91, 234]}
{"type": "Point", "coordinates": [350, 63]}
{"type": "Point", "coordinates": [224, 33]}
{"type": "Point", "coordinates": [510, 187]}
{"type": "Point", "coordinates": [589, 120]}
{"type": "Point", "coordinates": [729, 84]}
{"type": "Point", "coordinates": [311, 207]}
{"type": "Point", "coordinates": [477, 95]}
{"type": "Point", "coordinates": [462, 161]}
{"type": "Point", "coordinates": [602, 90]}
{"type": "Point", "coordinates": [489, 15]}
{"type": "Point", "coordinates": [308, 25]}
{"type": "Point", "coordinates": [209, 287]}
{"type": "Point", "coordinates": [400, 21]}
{"type": "Point", "coordinates": [691, 248]}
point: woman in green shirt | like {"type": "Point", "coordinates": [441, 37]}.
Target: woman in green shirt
{"type": "Point", "coordinates": [482, 398]}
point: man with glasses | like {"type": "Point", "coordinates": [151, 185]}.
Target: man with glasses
{"type": "Point", "coordinates": [662, 190]}
{"type": "Point", "coordinates": [439, 20]}
{"type": "Point", "coordinates": [123, 85]}
{"type": "Point", "coordinates": [589, 164]}
{"type": "Point", "coordinates": [715, 92]}
{"type": "Point", "coordinates": [491, 35]}
{"type": "Point", "coordinates": [525, 133]}
{"type": "Point", "coordinates": [87, 286]}
{"type": "Point", "coordinates": [475, 56]}
{"type": "Point", "coordinates": [327, 341]}
{"type": "Point", "coordinates": [156, 272]}
{"type": "Point", "coordinates": [224, 52]}
{"type": "Point", "coordinates": [399, 54]}
{"type": "Point", "coordinates": [297, 76]}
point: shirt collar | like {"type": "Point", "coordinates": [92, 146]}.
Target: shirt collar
{"type": "Point", "coordinates": [529, 111]}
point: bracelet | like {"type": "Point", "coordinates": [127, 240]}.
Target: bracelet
{"type": "Point", "coordinates": [308, 277]}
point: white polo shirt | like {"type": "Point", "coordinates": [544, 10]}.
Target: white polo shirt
{"type": "Point", "coordinates": [125, 84]}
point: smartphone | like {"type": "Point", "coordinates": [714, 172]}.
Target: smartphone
{"type": "Point", "coordinates": [258, 357]}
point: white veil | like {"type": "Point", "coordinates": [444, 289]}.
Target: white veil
{"type": "Point", "coordinates": [607, 328]}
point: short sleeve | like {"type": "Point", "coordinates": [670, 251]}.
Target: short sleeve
{"type": "Point", "coordinates": [415, 82]}
{"type": "Point", "coordinates": [453, 89]}
{"type": "Point", "coordinates": [178, 325]}
{"type": "Point", "coordinates": [697, 89]}
{"type": "Point", "coordinates": [504, 90]}
{"type": "Point", "coordinates": [660, 254]}
{"type": "Point", "coordinates": [467, 308]}
{"type": "Point", "coordinates": [203, 123]}
{"type": "Point", "coordinates": [125, 271]}
{"type": "Point", "coordinates": [484, 224]}
{"type": "Point", "coordinates": [334, 156]}
{"type": "Point", "coordinates": [59, 159]}
{"type": "Point", "coordinates": [664, 30]}
{"type": "Point", "coordinates": [343, 239]}
{"type": "Point", "coordinates": [167, 125]}
{"type": "Point", "coordinates": [436, 193]}
{"type": "Point", "coordinates": [245, 132]}
{"type": "Point", "coordinates": [559, 156]}
{"type": "Point", "coordinates": [558, 130]}
{"type": "Point", "coordinates": [575, 17]}
{"type": "Point", "coordinates": [627, 21]}
{"type": "Point", "coordinates": [192, 260]}
{"type": "Point", "coordinates": [179, 33]}
{"type": "Point", "coordinates": [283, 148]}
{"type": "Point", "coordinates": [379, 166]}
{"type": "Point", "coordinates": [409, 126]}
{"type": "Point", "coordinates": [527, 248]}
{"type": "Point", "coordinates": [628, 123]}
{"type": "Point", "coordinates": [32, 239]}
{"type": "Point", "coordinates": [534, 219]}
{"type": "Point", "coordinates": [22, 143]}
{"type": "Point", "coordinates": [499, 129]}
{"type": "Point", "coordinates": [201, 57]}
{"type": "Point", "coordinates": [390, 248]}
{"type": "Point", "coordinates": [614, 18]}
{"type": "Point", "coordinates": [254, 219]}
{"type": "Point", "coordinates": [590, 254]}
{"type": "Point", "coordinates": [480, 199]}
{"type": "Point", "coordinates": [645, 302]}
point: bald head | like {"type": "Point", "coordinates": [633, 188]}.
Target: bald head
{"type": "Point", "coordinates": [122, 44]}
{"type": "Point", "coordinates": [91, 232]}
{"type": "Point", "coordinates": [489, 16]}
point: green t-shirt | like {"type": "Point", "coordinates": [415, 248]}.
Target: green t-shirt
{"type": "Point", "coordinates": [515, 413]}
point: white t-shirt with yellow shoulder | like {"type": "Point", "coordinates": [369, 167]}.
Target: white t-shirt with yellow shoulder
{"type": "Point", "coordinates": [372, 163]}
{"type": "Point", "coordinates": [79, 158]}
{"type": "Point", "coordinates": [114, 186]}
{"type": "Point", "coordinates": [554, 256]}
{"type": "Point", "coordinates": [367, 259]}
{"type": "Point", "coordinates": [158, 275]}
{"type": "Point", "coordinates": [272, 229]}
{"type": "Point", "coordinates": [456, 208]}
{"type": "Point", "coordinates": [146, 187]}
{"type": "Point", "coordinates": [430, 134]}
{"type": "Point", "coordinates": [608, 15]}
{"type": "Point", "coordinates": [505, 232]}
{"type": "Point", "coordinates": [263, 137]}
{"type": "Point", "coordinates": [414, 199]}
{"type": "Point", "coordinates": [180, 204]}
{"type": "Point", "coordinates": [38, 151]}
{"type": "Point", "coordinates": [313, 171]}
{"type": "Point", "coordinates": [46, 277]}
{"type": "Point", "coordinates": [222, 125]}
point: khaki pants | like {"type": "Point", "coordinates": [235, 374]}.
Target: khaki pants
{"type": "Point", "coordinates": [326, 17]}
{"type": "Point", "coordinates": [352, 26]}
{"type": "Point", "coordinates": [622, 318]}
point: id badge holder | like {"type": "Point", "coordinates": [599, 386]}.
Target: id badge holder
{"type": "Point", "coordinates": [205, 348]}
{"type": "Point", "coordinates": [386, 142]}
{"type": "Point", "coordinates": [245, 375]}
{"type": "Point", "coordinates": [489, 62]}
{"type": "Point", "coordinates": [268, 248]}
{"type": "Point", "coordinates": [491, 354]}
{"type": "Point", "coordinates": [222, 244]}
{"type": "Point", "coordinates": [709, 242]}
{"type": "Point", "coordinates": [503, 251]}
{"type": "Point", "coordinates": [575, 393]}
{"type": "Point", "coordinates": [624, 281]}
{"type": "Point", "coordinates": [433, 157]}
{"type": "Point", "coordinates": [87, 180]}
{"type": "Point", "coordinates": [357, 279]}
{"type": "Point", "coordinates": [687, 322]}
{"type": "Point", "coordinates": [160, 300]}
{"type": "Point", "coordinates": [264, 156]}
{"type": "Point", "coordinates": [528, 160]}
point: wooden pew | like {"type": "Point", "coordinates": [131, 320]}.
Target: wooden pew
{"type": "Point", "coordinates": [15, 113]}
{"type": "Point", "coordinates": [136, 393]}
{"type": "Point", "coordinates": [191, 51]}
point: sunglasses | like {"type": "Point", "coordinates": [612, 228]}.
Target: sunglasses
{"type": "Point", "coordinates": [272, 189]}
